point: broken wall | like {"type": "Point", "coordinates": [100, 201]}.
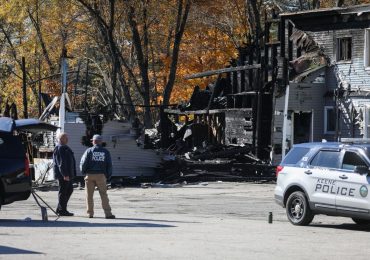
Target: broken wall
{"type": "Point", "coordinates": [303, 97]}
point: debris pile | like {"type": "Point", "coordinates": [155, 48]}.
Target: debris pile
{"type": "Point", "coordinates": [204, 140]}
{"type": "Point", "coordinates": [215, 163]}
{"type": "Point", "coordinates": [213, 97]}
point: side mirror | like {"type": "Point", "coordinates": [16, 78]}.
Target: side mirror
{"type": "Point", "coordinates": [362, 169]}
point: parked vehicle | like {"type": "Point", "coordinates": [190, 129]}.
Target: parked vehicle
{"type": "Point", "coordinates": [325, 178]}
{"type": "Point", "coordinates": [15, 176]}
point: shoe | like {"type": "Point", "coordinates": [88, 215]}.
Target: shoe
{"type": "Point", "coordinates": [111, 217]}
{"type": "Point", "coordinates": [90, 216]}
{"type": "Point", "coordinates": [65, 213]}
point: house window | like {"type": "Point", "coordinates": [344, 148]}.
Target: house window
{"type": "Point", "coordinates": [344, 49]}
{"type": "Point", "coordinates": [330, 120]}
{"type": "Point", "coordinates": [367, 49]}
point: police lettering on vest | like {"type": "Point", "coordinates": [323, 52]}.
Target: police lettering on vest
{"type": "Point", "coordinates": [98, 156]}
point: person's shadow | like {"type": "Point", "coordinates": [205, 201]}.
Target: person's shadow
{"type": "Point", "coordinates": [62, 223]}
{"type": "Point", "coordinates": [7, 250]}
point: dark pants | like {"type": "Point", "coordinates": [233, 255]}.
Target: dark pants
{"type": "Point", "coordinates": [65, 192]}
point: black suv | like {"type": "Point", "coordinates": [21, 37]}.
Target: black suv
{"type": "Point", "coordinates": [15, 177]}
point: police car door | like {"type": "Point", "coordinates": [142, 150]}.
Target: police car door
{"type": "Point", "coordinates": [352, 187]}
{"type": "Point", "coordinates": [323, 170]}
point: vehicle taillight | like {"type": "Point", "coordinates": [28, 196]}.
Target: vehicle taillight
{"type": "Point", "coordinates": [278, 170]}
{"type": "Point", "coordinates": [27, 167]}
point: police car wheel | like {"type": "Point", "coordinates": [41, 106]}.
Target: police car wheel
{"type": "Point", "coordinates": [298, 210]}
{"type": "Point", "coordinates": [362, 222]}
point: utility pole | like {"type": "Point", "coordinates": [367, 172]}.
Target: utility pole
{"type": "Point", "coordinates": [24, 88]}
{"type": "Point", "coordinates": [86, 84]}
{"type": "Point", "coordinates": [38, 62]}
{"type": "Point", "coordinates": [62, 107]}
{"type": "Point", "coordinates": [75, 87]}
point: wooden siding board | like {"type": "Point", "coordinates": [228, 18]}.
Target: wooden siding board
{"type": "Point", "coordinates": [128, 159]}
{"type": "Point", "coordinates": [354, 72]}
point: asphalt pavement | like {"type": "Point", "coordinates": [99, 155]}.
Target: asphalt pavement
{"type": "Point", "coordinates": [202, 221]}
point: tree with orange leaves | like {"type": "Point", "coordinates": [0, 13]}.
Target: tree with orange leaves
{"type": "Point", "coordinates": [124, 53]}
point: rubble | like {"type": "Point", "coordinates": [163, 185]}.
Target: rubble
{"type": "Point", "coordinates": [189, 160]}
{"type": "Point", "coordinates": [217, 134]}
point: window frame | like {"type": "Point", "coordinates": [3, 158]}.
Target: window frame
{"type": "Point", "coordinates": [338, 45]}
{"type": "Point", "coordinates": [367, 49]}
{"type": "Point", "coordinates": [326, 109]}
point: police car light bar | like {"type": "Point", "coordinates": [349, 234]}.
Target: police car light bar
{"type": "Point", "coordinates": [355, 140]}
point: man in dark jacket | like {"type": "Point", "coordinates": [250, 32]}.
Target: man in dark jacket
{"type": "Point", "coordinates": [64, 171]}
{"type": "Point", "coordinates": [96, 164]}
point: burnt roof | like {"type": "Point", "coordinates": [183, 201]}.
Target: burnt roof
{"type": "Point", "coordinates": [356, 9]}
{"type": "Point", "coordinates": [325, 19]}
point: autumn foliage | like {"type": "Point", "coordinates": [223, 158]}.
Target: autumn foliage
{"type": "Point", "coordinates": [104, 55]}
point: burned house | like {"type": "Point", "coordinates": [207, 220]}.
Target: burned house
{"type": "Point", "coordinates": [326, 53]}
{"type": "Point", "coordinates": [309, 83]}
{"type": "Point", "coordinates": [229, 122]}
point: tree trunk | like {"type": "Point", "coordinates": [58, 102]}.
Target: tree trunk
{"type": "Point", "coordinates": [14, 54]}
{"type": "Point", "coordinates": [42, 42]}
{"type": "Point", "coordinates": [316, 4]}
{"type": "Point", "coordinates": [106, 32]}
{"type": "Point", "coordinates": [143, 64]}
{"type": "Point", "coordinates": [339, 3]}
{"type": "Point", "coordinates": [127, 96]}
{"type": "Point", "coordinates": [301, 7]}
{"type": "Point", "coordinates": [182, 17]}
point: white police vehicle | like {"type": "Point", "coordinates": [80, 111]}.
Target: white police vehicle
{"type": "Point", "coordinates": [325, 178]}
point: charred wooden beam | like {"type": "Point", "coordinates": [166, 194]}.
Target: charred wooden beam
{"type": "Point", "coordinates": [234, 83]}
{"type": "Point", "coordinates": [290, 42]}
{"type": "Point", "coordinates": [273, 20]}
{"type": "Point", "coordinates": [250, 72]}
{"type": "Point", "coordinates": [326, 22]}
{"type": "Point", "coordinates": [259, 114]}
{"type": "Point", "coordinates": [271, 44]}
{"type": "Point", "coordinates": [229, 153]}
{"type": "Point", "coordinates": [220, 71]}
{"type": "Point", "coordinates": [204, 111]}
{"type": "Point", "coordinates": [266, 50]}
{"type": "Point", "coordinates": [246, 93]}
{"type": "Point", "coordinates": [282, 37]}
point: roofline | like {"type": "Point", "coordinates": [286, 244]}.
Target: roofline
{"type": "Point", "coordinates": [359, 9]}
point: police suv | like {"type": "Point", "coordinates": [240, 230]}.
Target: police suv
{"type": "Point", "coordinates": [325, 178]}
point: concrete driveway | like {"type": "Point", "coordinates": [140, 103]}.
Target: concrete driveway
{"type": "Point", "coordinates": [214, 221]}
